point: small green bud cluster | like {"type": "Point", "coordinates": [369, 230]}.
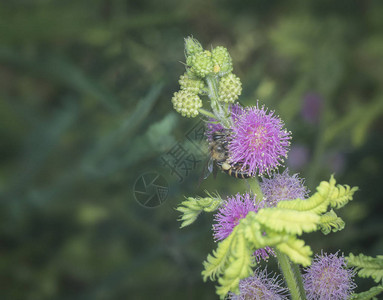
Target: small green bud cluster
{"type": "Point", "coordinates": [191, 84]}
{"type": "Point", "coordinates": [221, 61]}
{"type": "Point", "coordinates": [192, 46]}
{"type": "Point", "coordinates": [202, 67]}
{"type": "Point", "coordinates": [203, 62]}
{"type": "Point", "coordinates": [186, 103]}
{"type": "Point", "coordinates": [230, 87]}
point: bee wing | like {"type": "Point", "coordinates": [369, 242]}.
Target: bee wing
{"type": "Point", "coordinates": [215, 170]}
{"type": "Point", "coordinates": [209, 169]}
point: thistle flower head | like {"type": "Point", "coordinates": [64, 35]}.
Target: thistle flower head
{"type": "Point", "coordinates": [328, 278]}
{"type": "Point", "coordinates": [228, 216]}
{"type": "Point", "coordinates": [260, 286]}
{"type": "Point", "coordinates": [259, 141]}
{"type": "Point", "coordinates": [234, 209]}
{"type": "Point", "coordinates": [283, 187]}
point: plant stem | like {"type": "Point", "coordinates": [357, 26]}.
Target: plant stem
{"type": "Point", "coordinates": [220, 112]}
{"type": "Point", "coordinates": [206, 113]}
{"type": "Point", "coordinates": [290, 278]}
{"type": "Point", "coordinates": [256, 189]}
{"type": "Point", "coordinates": [298, 278]}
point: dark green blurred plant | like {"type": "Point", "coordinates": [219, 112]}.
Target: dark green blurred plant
{"type": "Point", "coordinates": [75, 74]}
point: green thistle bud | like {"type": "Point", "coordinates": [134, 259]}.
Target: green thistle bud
{"type": "Point", "coordinates": [221, 61]}
{"type": "Point", "coordinates": [200, 64]}
{"type": "Point", "coordinates": [191, 84]}
{"type": "Point", "coordinates": [192, 46]}
{"type": "Point", "coordinates": [230, 87]}
{"type": "Point", "coordinates": [186, 103]}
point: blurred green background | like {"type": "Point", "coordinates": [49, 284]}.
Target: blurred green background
{"type": "Point", "coordinates": [85, 89]}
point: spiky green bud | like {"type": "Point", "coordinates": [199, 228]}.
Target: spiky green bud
{"type": "Point", "coordinates": [200, 64]}
{"type": "Point", "coordinates": [192, 46]}
{"type": "Point", "coordinates": [186, 103]}
{"type": "Point", "coordinates": [221, 61]}
{"type": "Point", "coordinates": [230, 87]}
{"type": "Point", "coordinates": [191, 84]}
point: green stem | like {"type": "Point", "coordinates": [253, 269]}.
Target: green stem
{"type": "Point", "coordinates": [256, 189]}
{"type": "Point", "coordinates": [298, 278]}
{"type": "Point", "coordinates": [219, 111]}
{"type": "Point", "coordinates": [289, 275]}
{"type": "Point", "coordinates": [207, 113]}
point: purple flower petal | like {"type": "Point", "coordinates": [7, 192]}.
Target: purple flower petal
{"type": "Point", "coordinates": [259, 142]}
{"type": "Point", "coordinates": [283, 187]}
{"type": "Point", "coordinates": [328, 278]}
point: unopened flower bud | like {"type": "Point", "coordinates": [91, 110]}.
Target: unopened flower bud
{"type": "Point", "coordinates": [186, 103]}
{"type": "Point", "coordinates": [200, 64]}
{"type": "Point", "coordinates": [221, 60]}
{"type": "Point", "coordinates": [230, 87]}
{"type": "Point", "coordinates": [191, 84]}
{"type": "Point", "coordinates": [192, 46]}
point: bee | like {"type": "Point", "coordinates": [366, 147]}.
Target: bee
{"type": "Point", "coordinates": [219, 154]}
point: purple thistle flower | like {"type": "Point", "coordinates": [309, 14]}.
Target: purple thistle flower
{"type": "Point", "coordinates": [229, 215]}
{"type": "Point", "coordinates": [328, 278]}
{"type": "Point", "coordinates": [259, 141]}
{"type": "Point", "coordinates": [234, 209]}
{"type": "Point", "coordinates": [260, 287]}
{"type": "Point", "coordinates": [283, 187]}
{"type": "Point", "coordinates": [213, 125]}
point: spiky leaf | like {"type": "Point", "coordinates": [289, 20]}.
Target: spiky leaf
{"type": "Point", "coordinates": [239, 267]}
{"type": "Point", "coordinates": [296, 250]}
{"type": "Point", "coordinates": [370, 294]}
{"type": "Point", "coordinates": [331, 222]}
{"type": "Point", "coordinates": [288, 220]}
{"type": "Point", "coordinates": [192, 207]}
{"type": "Point", "coordinates": [215, 263]}
{"type": "Point", "coordinates": [367, 266]}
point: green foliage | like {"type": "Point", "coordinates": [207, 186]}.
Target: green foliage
{"type": "Point", "coordinates": [328, 194]}
{"type": "Point", "coordinates": [277, 227]}
{"type": "Point", "coordinates": [367, 295]}
{"type": "Point", "coordinates": [296, 250]}
{"type": "Point", "coordinates": [83, 114]}
{"type": "Point", "coordinates": [288, 221]}
{"type": "Point", "coordinates": [367, 266]}
{"type": "Point", "coordinates": [330, 222]}
{"type": "Point", "coordinates": [192, 207]}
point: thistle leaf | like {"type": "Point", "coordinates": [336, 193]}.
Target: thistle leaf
{"type": "Point", "coordinates": [216, 263]}
{"type": "Point", "coordinates": [316, 204]}
{"type": "Point", "coordinates": [296, 250]}
{"type": "Point", "coordinates": [338, 195]}
{"type": "Point", "coordinates": [239, 267]}
{"type": "Point", "coordinates": [370, 294]}
{"type": "Point", "coordinates": [192, 207]}
{"type": "Point", "coordinates": [255, 234]}
{"type": "Point", "coordinates": [367, 266]}
{"type": "Point", "coordinates": [330, 222]}
{"type": "Point", "coordinates": [328, 193]}
{"type": "Point", "coordinates": [288, 220]}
